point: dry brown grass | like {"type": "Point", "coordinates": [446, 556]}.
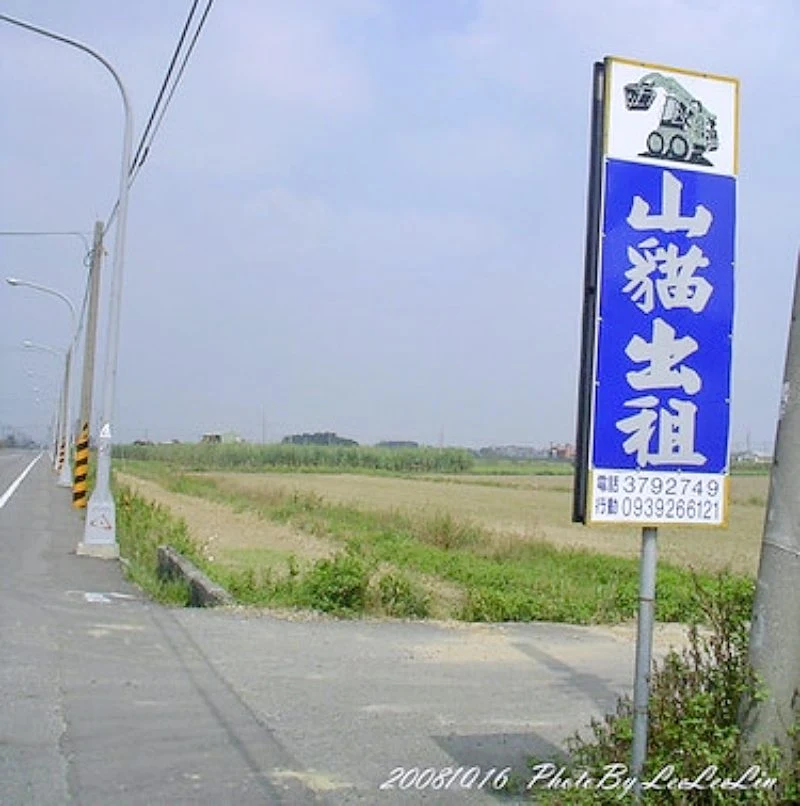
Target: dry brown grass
{"type": "Point", "coordinates": [534, 508]}
{"type": "Point", "coordinates": [224, 534]}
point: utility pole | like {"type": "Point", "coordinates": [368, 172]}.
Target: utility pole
{"type": "Point", "coordinates": [774, 649]}
{"type": "Point", "coordinates": [84, 437]}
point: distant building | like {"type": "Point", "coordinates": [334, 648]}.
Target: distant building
{"type": "Point", "coordinates": [564, 450]}
{"type": "Point", "coordinates": [227, 438]}
{"type": "Point", "coordinates": [319, 438]}
{"type": "Point", "coordinates": [516, 453]}
{"type": "Point", "coordinates": [756, 457]}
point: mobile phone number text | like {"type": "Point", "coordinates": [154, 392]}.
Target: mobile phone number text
{"type": "Point", "coordinates": [670, 508]}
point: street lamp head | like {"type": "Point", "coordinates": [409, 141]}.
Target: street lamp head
{"type": "Point", "coordinates": [27, 343]}
{"type": "Point", "coordinates": [12, 280]}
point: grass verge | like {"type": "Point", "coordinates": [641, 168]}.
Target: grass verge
{"type": "Point", "coordinates": [142, 527]}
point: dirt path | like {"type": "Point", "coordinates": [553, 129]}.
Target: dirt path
{"type": "Point", "coordinates": [219, 529]}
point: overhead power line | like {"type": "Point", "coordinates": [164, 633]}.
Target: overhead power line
{"type": "Point", "coordinates": [164, 85]}
{"type": "Point", "coordinates": [146, 150]}
{"type": "Point", "coordinates": [175, 85]}
{"type": "Point", "coordinates": [157, 114]}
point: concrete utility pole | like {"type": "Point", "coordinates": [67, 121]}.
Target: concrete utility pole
{"type": "Point", "coordinates": [774, 646]}
{"type": "Point", "coordinates": [79, 486]}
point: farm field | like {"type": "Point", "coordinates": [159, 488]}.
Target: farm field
{"type": "Point", "coordinates": [470, 546]}
{"type": "Point", "coordinates": [420, 533]}
{"type": "Point", "coordinates": [527, 508]}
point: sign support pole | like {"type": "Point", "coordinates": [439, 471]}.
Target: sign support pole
{"type": "Point", "coordinates": [594, 211]}
{"type": "Point", "coordinates": [644, 653]}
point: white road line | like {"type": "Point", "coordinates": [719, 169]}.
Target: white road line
{"type": "Point", "coordinates": [14, 484]}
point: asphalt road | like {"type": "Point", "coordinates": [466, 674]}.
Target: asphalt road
{"type": "Point", "coordinates": [106, 697]}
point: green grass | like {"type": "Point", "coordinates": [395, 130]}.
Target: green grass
{"type": "Point", "coordinates": [302, 457]}
{"type": "Point", "coordinates": [502, 579]}
{"type": "Point", "coordinates": [510, 467]}
{"type": "Point", "coordinates": [141, 527]}
{"type": "Point", "coordinates": [751, 468]}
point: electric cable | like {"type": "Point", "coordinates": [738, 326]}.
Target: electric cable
{"type": "Point", "coordinates": [146, 150]}
{"type": "Point", "coordinates": [164, 85]}
{"type": "Point", "coordinates": [143, 149]}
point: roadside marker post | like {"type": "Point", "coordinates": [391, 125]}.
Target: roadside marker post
{"type": "Point", "coordinates": [80, 483]}
{"type": "Point", "coordinates": [654, 389]}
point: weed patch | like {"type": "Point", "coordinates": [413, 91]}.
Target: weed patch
{"type": "Point", "coordinates": [142, 527]}
{"type": "Point", "coordinates": [401, 598]}
{"type": "Point", "coordinates": [338, 585]}
{"type": "Point", "coordinates": [446, 532]}
{"type": "Point", "coordinates": [693, 717]}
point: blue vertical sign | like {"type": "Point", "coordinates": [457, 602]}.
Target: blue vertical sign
{"type": "Point", "coordinates": [660, 416]}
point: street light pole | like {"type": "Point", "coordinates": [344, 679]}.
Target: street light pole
{"type": "Point", "coordinates": [59, 416]}
{"type": "Point", "coordinates": [58, 430]}
{"type": "Point", "coordinates": [17, 283]}
{"type": "Point", "coordinates": [93, 260]}
{"type": "Point", "coordinates": [100, 533]}
{"type": "Point", "coordinates": [64, 462]}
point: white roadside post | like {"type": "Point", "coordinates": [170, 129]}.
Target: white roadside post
{"type": "Point", "coordinates": [100, 533]}
{"type": "Point", "coordinates": [65, 465]}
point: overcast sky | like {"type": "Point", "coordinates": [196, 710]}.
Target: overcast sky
{"type": "Point", "coordinates": [363, 216]}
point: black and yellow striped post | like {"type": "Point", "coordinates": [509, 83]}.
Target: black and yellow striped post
{"type": "Point", "coordinates": [81, 468]}
{"type": "Point", "coordinates": [80, 482]}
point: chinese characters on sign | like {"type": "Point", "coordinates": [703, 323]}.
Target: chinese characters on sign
{"type": "Point", "coordinates": [665, 357]}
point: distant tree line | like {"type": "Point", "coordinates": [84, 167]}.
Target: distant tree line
{"type": "Point", "coordinates": [13, 440]}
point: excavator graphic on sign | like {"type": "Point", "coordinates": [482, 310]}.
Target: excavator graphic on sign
{"type": "Point", "coordinates": [687, 129]}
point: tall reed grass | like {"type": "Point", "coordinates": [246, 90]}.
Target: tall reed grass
{"type": "Point", "coordinates": [324, 457]}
